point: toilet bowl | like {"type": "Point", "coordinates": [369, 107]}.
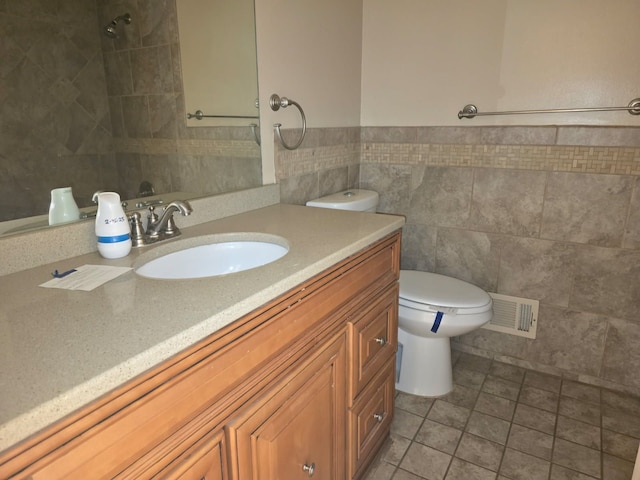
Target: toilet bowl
{"type": "Point", "coordinates": [433, 308]}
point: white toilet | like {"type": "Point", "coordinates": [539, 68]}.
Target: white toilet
{"type": "Point", "coordinates": [433, 308]}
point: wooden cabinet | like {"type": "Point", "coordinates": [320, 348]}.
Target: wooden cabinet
{"type": "Point", "coordinates": [281, 393]}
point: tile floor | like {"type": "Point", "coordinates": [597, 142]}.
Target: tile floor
{"type": "Point", "coordinates": [504, 422]}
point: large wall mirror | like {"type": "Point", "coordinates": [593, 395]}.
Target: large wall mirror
{"type": "Point", "coordinates": [93, 101]}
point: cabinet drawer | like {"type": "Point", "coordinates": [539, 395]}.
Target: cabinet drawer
{"type": "Point", "coordinates": [374, 339]}
{"type": "Point", "coordinates": [203, 462]}
{"type": "Point", "coordinates": [370, 419]}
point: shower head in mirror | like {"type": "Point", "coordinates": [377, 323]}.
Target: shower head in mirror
{"type": "Point", "coordinates": [110, 29]}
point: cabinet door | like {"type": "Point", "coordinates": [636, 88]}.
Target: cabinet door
{"type": "Point", "coordinates": [296, 430]}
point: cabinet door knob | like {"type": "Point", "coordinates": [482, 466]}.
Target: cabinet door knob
{"type": "Point", "coordinates": [381, 340]}
{"type": "Point", "coordinates": [378, 416]}
{"type": "Point", "coordinates": [310, 469]}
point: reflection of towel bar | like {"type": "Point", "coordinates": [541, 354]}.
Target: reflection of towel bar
{"type": "Point", "coordinates": [276, 103]}
{"type": "Point", "coordinates": [470, 111]}
{"type": "Point", "coordinates": [199, 115]}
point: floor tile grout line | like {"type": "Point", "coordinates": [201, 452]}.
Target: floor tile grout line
{"type": "Point", "coordinates": [522, 383]}
{"type": "Point", "coordinates": [506, 442]}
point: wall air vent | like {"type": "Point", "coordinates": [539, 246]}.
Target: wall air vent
{"type": "Point", "coordinates": [514, 315]}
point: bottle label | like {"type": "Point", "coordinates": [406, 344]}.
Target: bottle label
{"type": "Point", "coordinates": [114, 220]}
{"type": "Point", "coordinates": [114, 238]}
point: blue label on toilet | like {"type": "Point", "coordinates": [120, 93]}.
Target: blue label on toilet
{"type": "Point", "coordinates": [436, 323]}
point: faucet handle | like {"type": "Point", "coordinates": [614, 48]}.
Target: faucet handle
{"type": "Point", "coordinates": [171, 230]}
{"type": "Point", "coordinates": [137, 230]}
{"type": "Point", "coordinates": [152, 216]}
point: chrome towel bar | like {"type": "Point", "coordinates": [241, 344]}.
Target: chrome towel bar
{"type": "Point", "coordinates": [470, 111]}
{"type": "Point", "coordinates": [199, 115]}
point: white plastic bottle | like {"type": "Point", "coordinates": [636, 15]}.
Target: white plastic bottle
{"type": "Point", "coordinates": [112, 227]}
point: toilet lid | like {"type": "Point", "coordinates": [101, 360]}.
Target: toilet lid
{"type": "Point", "coordinates": [430, 290]}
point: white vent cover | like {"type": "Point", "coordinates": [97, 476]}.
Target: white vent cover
{"type": "Point", "coordinates": [514, 315]}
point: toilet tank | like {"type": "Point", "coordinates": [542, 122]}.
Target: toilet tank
{"type": "Point", "coordinates": [356, 200]}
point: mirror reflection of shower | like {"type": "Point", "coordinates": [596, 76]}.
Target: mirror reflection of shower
{"type": "Point", "coordinates": [110, 29]}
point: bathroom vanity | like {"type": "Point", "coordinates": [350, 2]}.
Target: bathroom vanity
{"type": "Point", "coordinates": [284, 371]}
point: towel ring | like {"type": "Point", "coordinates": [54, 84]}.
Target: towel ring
{"type": "Point", "coordinates": [254, 129]}
{"type": "Point", "coordinates": [276, 102]}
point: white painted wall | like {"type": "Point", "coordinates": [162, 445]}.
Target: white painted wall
{"type": "Point", "coordinates": [423, 60]}
{"type": "Point", "coordinates": [219, 72]}
{"type": "Point", "coordinates": [309, 51]}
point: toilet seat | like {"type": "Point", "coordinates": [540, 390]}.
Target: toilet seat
{"type": "Point", "coordinates": [432, 292]}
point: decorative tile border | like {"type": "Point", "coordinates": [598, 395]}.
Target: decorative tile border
{"type": "Point", "coordinates": [308, 160]}
{"type": "Point", "coordinates": [583, 159]}
{"type": "Point", "coordinates": [196, 147]}
{"type": "Point", "coordinates": [220, 148]}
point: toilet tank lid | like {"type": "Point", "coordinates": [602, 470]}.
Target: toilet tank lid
{"type": "Point", "coordinates": [439, 290]}
{"type": "Point", "coordinates": [353, 199]}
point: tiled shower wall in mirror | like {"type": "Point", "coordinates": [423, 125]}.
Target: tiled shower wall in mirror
{"type": "Point", "coordinates": [151, 140]}
{"type": "Point", "coordinates": [83, 110]}
{"type": "Point", "coordinates": [549, 213]}
{"type": "Point", "coordinates": [54, 113]}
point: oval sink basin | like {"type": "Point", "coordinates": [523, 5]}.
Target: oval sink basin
{"type": "Point", "coordinates": [213, 259]}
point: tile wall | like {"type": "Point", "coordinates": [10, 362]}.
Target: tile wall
{"type": "Point", "coordinates": [152, 142]}
{"type": "Point", "coordinates": [549, 213]}
{"type": "Point", "coordinates": [326, 162]}
{"type": "Point", "coordinates": [54, 114]}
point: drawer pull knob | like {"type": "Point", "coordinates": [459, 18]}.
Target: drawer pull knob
{"type": "Point", "coordinates": [310, 469]}
{"type": "Point", "coordinates": [381, 340]}
{"type": "Point", "coordinates": [378, 416]}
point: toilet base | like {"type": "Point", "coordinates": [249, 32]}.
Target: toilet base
{"type": "Point", "coordinates": [426, 368]}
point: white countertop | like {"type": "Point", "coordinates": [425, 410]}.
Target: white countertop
{"type": "Point", "coordinates": [61, 349]}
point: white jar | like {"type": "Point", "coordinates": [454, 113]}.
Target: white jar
{"type": "Point", "coordinates": [63, 207]}
{"type": "Point", "coordinates": [112, 227]}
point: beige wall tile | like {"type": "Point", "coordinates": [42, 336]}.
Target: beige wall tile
{"type": "Point", "coordinates": [442, 197]}
{"type": "Point", "coordinates": [470, 256]}
{"type": "Point", "coordinates": [507, 201]}
{"type": "Point", "coordinates": [606, 282]}
{"type": "Point", "coordinates": [631, 237]}
{"type": "Point", "coordinates": [570, 340]}
{"type": "Point", "coordinates": [537, 269]}
{"type": "Point", "coordinates": [392, 182]}
{"type": "Point", "coordinates": [418, 248]}
{"type": "Point", "coordinates": [585, 208]}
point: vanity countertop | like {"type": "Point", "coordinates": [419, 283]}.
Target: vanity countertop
{"type": "Point", "coordinates": [61, 349]}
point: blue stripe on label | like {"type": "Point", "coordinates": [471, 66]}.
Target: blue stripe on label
{"type": "Point", "coordinates": [436, 323]}
{"type": "Point", "coordinates": [114, 239]}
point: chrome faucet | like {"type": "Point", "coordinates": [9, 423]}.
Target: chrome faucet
{"type": "Point", "coordinates": [165, 226]}
{"type": "Point", "coordinates": [158, 228]}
